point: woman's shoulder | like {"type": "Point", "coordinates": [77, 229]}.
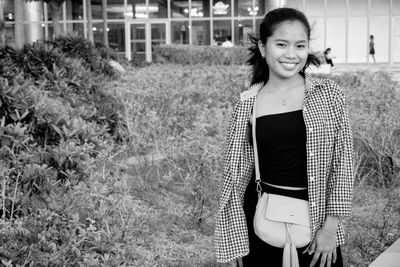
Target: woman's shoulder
{"type": "Point", "coordinates": [324, 84]}
{"type": "Point", "coordinates": [252, 91]}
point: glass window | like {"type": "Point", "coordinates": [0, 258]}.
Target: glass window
{"type": "Point", "coordinates": [201, 32]}
{"type": "Point", "coordinates": [115, 9]}
{"type": "Point", "coordinates": [242, 30]}
{"type": "Point", "coordinates": [221, 8]}
{"type": "Point", "coordinates": [180, 32]}
{"type": "Point", "coordinates": [97, 9]}
{"type": "Point", "coordinates": [75, 29]}
{"type": "Point", "coordinates": [336, 38]}
{"type": "Point", "coordinates": [297, 4]}
{"type": "Point", "coordinates": [336, 8]}
{"type": "Point", "coordinates": [244, 8]}
{"type": "Point", "coordinates": [380, 7]}
{"type": "Point", "coordinates": [8, 10]}
{"type": "Point", "coordinates": [158, 32]}
{"type": "Point", "coordinates": [9, 34]}
{"type": "Point", "coordinates": [358, 8]}
{"type": "Point", "coordinates": [317, 34]}
{"type": "Point", "coordinates": [379, 28]}
{"type": "Point", "coordinates": [222, 29]}
{"type": "Point", "coordinates": [179, 8]}
{"type": "Point", "coordinates": [136, 9]}
{"type": "Point", "coordinates": [116, 36]}
{"type": "Point", "coordinates": [158, 8]}
{"type": "Point", "coordinates": [74, 9]}
{"type": "Point", "coordinates": [98, 32]}
{"type": "Point", "coordinates": [138, 42]}
{"type": "Point", "coordinates": [357, 40]}
{"type": "Point", "coordinates": [314, 7]}
{"type": "Point", "coordinates": [258, 22]}
{"type": "Point", "coordinates": [261, 7]}
{"type": "Point", "coordinates": [200, 9]}
{"type": "Point", "coordinates": [45, 5]}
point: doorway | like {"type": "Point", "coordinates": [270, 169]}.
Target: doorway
{"type": "Point", "coordinates": [143, 37]}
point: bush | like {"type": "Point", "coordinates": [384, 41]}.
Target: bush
{"type": "Point", "coordinates": [95, 58]}
{"type": "Point", "coordinates": [208, 55]}
{"type": "Point", "coordinates": [55, 117]}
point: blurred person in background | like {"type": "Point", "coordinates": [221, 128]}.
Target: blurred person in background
{"type": "Point", "coordinates": [305, 151]}
{"type": "Point", "coordinates": [371, 47]}
{"type": "Point", "coordinates": [228, 42]}
{"type": "Point", "coordinates": [328, 57]}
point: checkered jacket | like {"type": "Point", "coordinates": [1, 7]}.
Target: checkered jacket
{"type": "Point", "coordinates": [329, 165]}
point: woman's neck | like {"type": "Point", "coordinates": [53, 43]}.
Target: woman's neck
{"type": "Point", "coordinates": [282, 85]}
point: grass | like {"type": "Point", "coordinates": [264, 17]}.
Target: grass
{"type": "Point", "coordinates": [151, 200]}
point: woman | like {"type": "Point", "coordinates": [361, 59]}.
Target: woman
{"type": "Point", "coordinates": [371, 47]}
{"type": "Point", "coordinates": [304, 146]}
{"type": "Point", "coordinates": [328, 57]}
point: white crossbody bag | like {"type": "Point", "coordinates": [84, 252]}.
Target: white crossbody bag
{"type": "Point", "coordinates": [280, 221]}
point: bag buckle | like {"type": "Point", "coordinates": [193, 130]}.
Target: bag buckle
{"type": "Point", "coordinates": [259, 188]}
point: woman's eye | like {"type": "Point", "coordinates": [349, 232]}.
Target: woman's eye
{"type": "Point", "coordinates": [301, 46]}
{"type": "Point", "coordinates": [281, 45]}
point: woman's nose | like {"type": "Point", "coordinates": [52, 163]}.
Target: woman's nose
{"type": "Point", "coordinates": [290, 52]}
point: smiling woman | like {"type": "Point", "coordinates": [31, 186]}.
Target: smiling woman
{"type": "Point", "coordinates": [289, 139]}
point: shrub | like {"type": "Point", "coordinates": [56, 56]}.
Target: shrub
{"type": "Point", "coordinates": [209, 55]}
{"type": "Point", "coordinates": [94, 57]}
{"type": "Point", "coordinates": [54, 118]}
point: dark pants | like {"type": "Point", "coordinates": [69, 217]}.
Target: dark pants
{"type": "Point", "coordinates": [329, 61]}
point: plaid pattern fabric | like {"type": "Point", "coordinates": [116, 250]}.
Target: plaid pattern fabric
{"type": "Point", "coordinates": [329, 165]}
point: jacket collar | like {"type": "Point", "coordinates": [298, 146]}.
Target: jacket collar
{"type": "Point", "coordinates": [310, 82]}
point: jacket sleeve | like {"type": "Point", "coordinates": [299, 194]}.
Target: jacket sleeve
{"type": "Point", "coordinates": [340, 184]}
{"type": "Point", "coordinates": [227, 238]}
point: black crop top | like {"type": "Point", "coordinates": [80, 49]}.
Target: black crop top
{"type": "Point", "coordinates": [281, 142]}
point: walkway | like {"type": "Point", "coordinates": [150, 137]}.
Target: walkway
{"type": "Point", "coordinates": [394, 69]}
{"type": "Point", "coordinates": [389, 258]}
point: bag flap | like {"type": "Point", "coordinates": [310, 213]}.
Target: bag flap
{"type": "Point", "coordinates": [287, 209]}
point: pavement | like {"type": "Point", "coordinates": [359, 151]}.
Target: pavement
{"type": "Point", "coordinates": [393, 69]}
{"type": "Point", "coordinates": [389, 258]}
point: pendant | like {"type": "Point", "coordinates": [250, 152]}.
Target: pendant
{"type": "Point", "coordinates": [284, 102]}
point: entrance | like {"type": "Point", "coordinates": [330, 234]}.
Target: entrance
{"type": "Point", "coordinates": [143, 38]}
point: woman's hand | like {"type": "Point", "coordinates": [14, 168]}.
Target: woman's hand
{"type": "Point", "coordinates": [324, 246]}
{"type": "Point", "coordinates": [236, 263]}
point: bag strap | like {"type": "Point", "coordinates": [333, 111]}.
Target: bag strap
{"type": "Point", "coordinates": [255, 148]}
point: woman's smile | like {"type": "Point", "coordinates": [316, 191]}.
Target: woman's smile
{"type": "Point", "coordinates": [289, 66]}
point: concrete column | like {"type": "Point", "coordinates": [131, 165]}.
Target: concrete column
{"type": "Point", "coordinates": [34, 30]}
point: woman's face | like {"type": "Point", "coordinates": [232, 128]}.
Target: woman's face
{"type": "Point", "coordinates": [286, 51]}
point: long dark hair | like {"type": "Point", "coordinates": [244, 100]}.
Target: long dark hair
{"type": "Point", "coordinates": [327, 50]}
{"type": "Point", "coordinates": [271, 20]}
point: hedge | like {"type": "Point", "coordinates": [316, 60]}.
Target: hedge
{"type": "Point", "coordinates": [208, 55]}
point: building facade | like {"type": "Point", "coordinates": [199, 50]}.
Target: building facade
{"type": "Point", "coordinates": [135, 26]}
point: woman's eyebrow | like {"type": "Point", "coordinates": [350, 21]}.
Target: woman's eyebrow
{"type": "Point", "coordinates": [287, 41]}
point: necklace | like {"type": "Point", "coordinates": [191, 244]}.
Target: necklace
{"type": "Point", "coordinates": [286, 97]}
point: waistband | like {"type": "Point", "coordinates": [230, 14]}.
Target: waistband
{"type": "Point", "coordinates": [300, 194]}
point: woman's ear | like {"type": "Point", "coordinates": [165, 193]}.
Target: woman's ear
{"type": "Point", "coordinates": [261, 47]}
